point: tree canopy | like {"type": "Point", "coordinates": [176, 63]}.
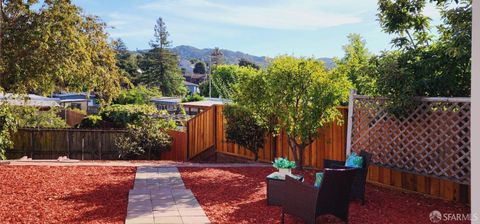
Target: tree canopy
{"type": "Point", "coordinates": [200, 68]}
{"type": "Point", "coordinates": [424, 64]}
{"type": "Point", "coordinates": [52, 46]}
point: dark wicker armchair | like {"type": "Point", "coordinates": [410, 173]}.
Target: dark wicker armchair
{"type": "Point", "coordinates": [308, 202]}
{"type": "Point", "coordinates": [358, 188]}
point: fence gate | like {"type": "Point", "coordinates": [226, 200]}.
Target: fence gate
{"type": "Point", "coordinates": [433, 140]}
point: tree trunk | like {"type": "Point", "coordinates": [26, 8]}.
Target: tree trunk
{"type": "Point", "coordinates": [293, 145]}
{"type": "Point", "coordinates": [256, 154]}
{"type": "Point", "coordinates": [301, 152]}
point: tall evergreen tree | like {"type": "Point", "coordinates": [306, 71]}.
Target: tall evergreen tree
{"type": "Point", "coordinates": [200, 68]}
{"type": "Point", "coordinates": [160, 65]}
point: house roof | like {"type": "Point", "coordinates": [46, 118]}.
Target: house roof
{"type": "Point", "coordinates": [29, 100]}
{"type": "Point", "coordinates": [207, 102]}
{"type": "Point", "coordinates": [189, 83]}
{"type": "Point", "coordinates": [167, 100]}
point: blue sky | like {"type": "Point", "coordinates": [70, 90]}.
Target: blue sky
{"type": "Point", "coordinates": [259, 27]}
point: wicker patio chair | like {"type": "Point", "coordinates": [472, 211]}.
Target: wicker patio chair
{"type": "Point", "coordinates": [308, 202]}
{"type": "Point", "coordinates": [358, 188]}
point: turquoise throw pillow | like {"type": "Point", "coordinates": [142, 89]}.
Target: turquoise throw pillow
{"type": "Point", "coordinates": [318, 179]}
{"type": "Point", "coordinates": [354, 161]}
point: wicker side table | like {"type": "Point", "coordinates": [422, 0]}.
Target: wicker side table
{"type": "Point", "coordinates": [275, 183]}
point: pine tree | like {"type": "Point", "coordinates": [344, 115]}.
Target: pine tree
{"type": "Point", "coordinates": [160, 65]}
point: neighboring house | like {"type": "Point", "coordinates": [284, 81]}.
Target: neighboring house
{"type": "Point", "coordinates": [167, 103]}
{"type": "Point", "coordinates": [195, 78]}
{"type": "Point", "coordinates": [81, 101]}
{"type": "Point", "coordinates": [192, 87]}
{"type": "Point", "coordinates": [29, 100]}
{"type": "Point", "coordinates": [172, 104]}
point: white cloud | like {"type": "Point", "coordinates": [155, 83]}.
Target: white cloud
{"type": "Point", "coordinates": [281, 14]}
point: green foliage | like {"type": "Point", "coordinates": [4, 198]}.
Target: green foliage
{"type": "Point", "coordinates": [146, 139]}
{"type": "Point", "coordinates": [7, 128]}
{"type": "Point", "coordinates": [283, 163]}
{"type": "Point", "coordinates": [91, 121]}
{"type": "Point", "coordinates": [137, 95]}
{"type": "Point", "coordinates": [121, 115]}
{"type": "Point", "coordinates": [303, 97]}
{"type": "Point", "coordinates": [224, 78]}
{"type": "Point", "coordinates": [200, 68]}
{"type": "Point", "coordinates": [358, 65]}
{"type": "Point", "coordinates": [204, 89]}
{"type": "Point", "coordinates": [424, 65]}
{"type": "Point", "coordinates": [127, 62]}
{"type": "Point", "coordinates": [246, 63]}
{"type": "Point", "coordinates": [31, 117]}
{"type": "Point", "coordinates": [160, 64]}
{"type": "Point", "coordinates": [52, 46]}
{"type": "Point", "coordinates": [243, 129]}
{"type": "Point", "coordinates": [192, 98]}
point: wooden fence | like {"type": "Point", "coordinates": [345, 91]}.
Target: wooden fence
{"type": "Point", "coordinates": [329, 145]}
{"type": "Point", "coordinates": [84, 144]}
{"type": "Point", "coordinates": [201, 132]}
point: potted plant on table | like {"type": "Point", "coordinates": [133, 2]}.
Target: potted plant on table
{"type": "Point", "coordinates": [284, 166]}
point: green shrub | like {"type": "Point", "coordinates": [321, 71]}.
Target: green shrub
{"type": "Point", "coordinates": [146, 139]}
{"type": "Point", "coordinates": [192, 98]}
{"type": "Point", "coordinates": [121, 115]}
{"type": "Point", "coordinates": [91, 121]}
{"type": "Point", "coordinates": [7, 127]}
{"type": "Point", "coordinates": [137, 95]}
{"type": "Point", "coordinates": [32, 117]}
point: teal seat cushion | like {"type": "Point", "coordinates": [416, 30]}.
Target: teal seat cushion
{"type": "Point", "coordinates": [354, 160]}
{"type": "Point", "coordinates": [318, 179]}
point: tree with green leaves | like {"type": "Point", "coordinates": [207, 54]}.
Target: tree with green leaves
{"type": "Point", "coordinates": [225, 76]}
{"type": "Point", "coordinates": [200, 68]}
{"type": "Point", "coordinates": [51, 46]}
{"type": "Point", "coordinates": [357, 65]}
{"type": "Point", "coordinates": [137, 95]}
{"type": "Point", "coordinates": [246, 63]}
{"type": "Point", "coordinates": [306, 97]}
{"type": "Point", "coordinates": [127, 62]}
{"type": "Point", "coordinates": [242, 128]}
{"type": "Point", "coordinates": [424, 64]}
{"type": "Point", "coordinates": [160, 65]}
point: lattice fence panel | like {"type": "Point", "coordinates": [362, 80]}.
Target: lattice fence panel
{"type": "Point", "coordinates": [433, 140]}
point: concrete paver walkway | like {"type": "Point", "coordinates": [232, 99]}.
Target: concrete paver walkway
{"type": "Point", "coordinates": [159, 196]}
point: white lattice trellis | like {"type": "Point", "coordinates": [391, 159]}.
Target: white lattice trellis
{"type": "Point", "coordinates": [433, 140]}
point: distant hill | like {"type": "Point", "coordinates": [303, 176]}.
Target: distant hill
{"type": "Point", "coordinates": [231, 57]}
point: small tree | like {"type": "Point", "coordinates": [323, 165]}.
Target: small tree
{"type": "Point", "coordinates": [246, 63]}
{"type": "Point", "coordinates": [305, 98]}
{"type": "Point", "coordinates": [200, 68]}
{"type": "Point", "coordinates": [243, 129]}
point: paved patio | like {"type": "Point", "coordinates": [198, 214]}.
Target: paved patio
{"type": "Point", "coordinates": [159, 196]}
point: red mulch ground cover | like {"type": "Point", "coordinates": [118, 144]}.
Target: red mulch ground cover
{"type": "Point", "coordinates": [64, 194]}
{"type": "Point", "coordinates": [238, 195]}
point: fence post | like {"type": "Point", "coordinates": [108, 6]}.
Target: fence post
{"type": "Point", "coordinates": [68, 143]}
{"type": "Point", "coordinates": [33, 143]}
{"type": "Point", "coordinates": [83, 146]}
{"type": "Point", "coordinates": [188, 139]}
{"type": "Point", "coordinates": [350, 121]}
